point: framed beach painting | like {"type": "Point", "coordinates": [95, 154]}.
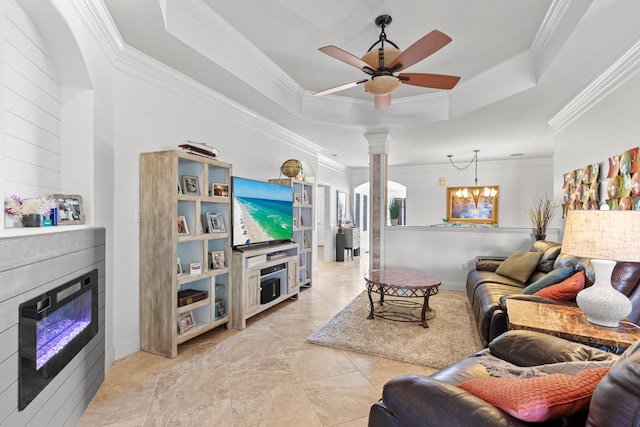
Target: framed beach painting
{"type": "Point", "coordinates": [464, 207]}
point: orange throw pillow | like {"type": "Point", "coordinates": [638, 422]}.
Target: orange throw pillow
{"type": "Point", "coordinates": [565, 290]}
{"type": "Point", "coordinates": [539, 398]}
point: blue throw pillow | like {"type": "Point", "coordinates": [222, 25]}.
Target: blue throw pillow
{"type": "Point", "coordinates": [551, 278]}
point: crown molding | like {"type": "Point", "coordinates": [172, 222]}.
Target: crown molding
{"type": "Point", "coordinates": [549, 26]}
{"type": "Point", "coordinates": [619, 72]}
{"type": "Point", "coordinates": [97, 19]}
{"type": "Point", "coordinates": [144, 67]}
{"type": "Point", "coordinates": [328, 163]}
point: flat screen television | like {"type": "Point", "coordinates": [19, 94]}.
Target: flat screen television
{"type": "Point", "coordinates": [262, 212]}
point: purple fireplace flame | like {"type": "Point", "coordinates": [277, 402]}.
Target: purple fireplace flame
{"type": "Point", "coordinates": [57, 330]}
{"type": "Point", "coordinates": [53, 328]}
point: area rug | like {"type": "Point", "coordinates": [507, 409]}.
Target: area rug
{"type": "Point", "coordinates": [449, 338]}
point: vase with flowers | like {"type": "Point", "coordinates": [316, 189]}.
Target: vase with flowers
{"type": "Point", "coordinates": [29, 211]}
{"type": "Point", "coordinates": [541, 213]}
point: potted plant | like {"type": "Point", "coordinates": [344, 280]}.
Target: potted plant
{"type": "Point", "coordinates": [29, 211]}
{"type": "Point", "coordinates": [541, 213]}
{"type": "Point", "coordinates": [394, 211]}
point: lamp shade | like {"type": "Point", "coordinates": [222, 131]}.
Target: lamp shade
{"type": "Point", "coordinates": [613, 235]}
{"type": "Point", "coordinates": [605, 237]}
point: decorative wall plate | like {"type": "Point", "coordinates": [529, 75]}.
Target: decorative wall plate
{"type": "Point", "coordinates": [613, 186]}
{"type": "Point", "coordinates": [614, 166]}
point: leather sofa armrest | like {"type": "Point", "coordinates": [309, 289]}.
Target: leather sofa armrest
{"type": "Point", "coordinates": [499, 324]}
{"type": "Point", "coordinates": [529, 348]}
{"type": "Point", "coordinates": [422, 401]}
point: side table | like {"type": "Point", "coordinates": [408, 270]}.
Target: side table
{"type": "Point", "coordinates": [567, 322]}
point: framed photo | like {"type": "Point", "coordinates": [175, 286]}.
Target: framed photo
{"type": "Point", "coordinates": [190, 184]}
{"type": "Point", "coordinates": [185, 322]}
{"type": "Point", "coordinates": [217, 260]}
{"type": "Point", "coordinates": [220, 190]}
{"type": "Point", "coordinates": [182, 225]}
{"type": "Point", "coordinates": [341, 206]}
{"type": "Point", "coordinates": [180, 272]}
{"type": "Point", "coordinates": [70, 210]}
{"type": "Point", "coordinates": [481, 209]}
{"type": "Point", "coordinates": [295, 221]}
{"type": "Point", "coordinates": [195, 268]}
{"type": "Point", "coordinates": [296, 198]}
{"type": "Point", "coordinates": [305, 242]}
{"type": "Point", "coordinates": [215, 222]}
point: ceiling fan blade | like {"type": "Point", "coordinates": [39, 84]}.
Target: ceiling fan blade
{"type": "Point", "coordinates": [382, 101]}
{"type": "Point", "coordinates": [347, 58]}
{"type": "Point", "coordinates": [339, 88]}
{"type": "Point", "coordinates": [435, 81]}
{"type": "Point", "coordinates": [427, 45]}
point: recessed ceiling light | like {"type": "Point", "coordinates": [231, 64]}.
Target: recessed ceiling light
{"type": "Point", "coordinates": [334, 155]}
{"type": "Point", "coordinates": [517, 154]}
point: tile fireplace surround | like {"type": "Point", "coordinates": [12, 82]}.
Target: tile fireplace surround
{"type": "Point", "coordinates": [33, 262]}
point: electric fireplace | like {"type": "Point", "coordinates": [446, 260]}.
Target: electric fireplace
{"type": "Point", "coordinates": [54, 327]}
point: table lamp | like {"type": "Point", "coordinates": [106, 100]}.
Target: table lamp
{"type": "Point", "coordinates": [605, 237]}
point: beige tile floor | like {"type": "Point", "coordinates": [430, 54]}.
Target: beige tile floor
{"type": "Point", "coordinates": [265, 375]}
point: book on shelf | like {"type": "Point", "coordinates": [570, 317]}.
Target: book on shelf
{"type": "Point", "coordinates": [200, 148]}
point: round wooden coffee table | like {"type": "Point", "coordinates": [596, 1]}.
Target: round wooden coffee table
{"type": "Point", "coordinates": [401, 284]}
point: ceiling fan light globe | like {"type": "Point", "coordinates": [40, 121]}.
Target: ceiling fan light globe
{"type": "Point", "coordinates": [371, 57]}
{"type": "Point", "coordinates": [382, 85]}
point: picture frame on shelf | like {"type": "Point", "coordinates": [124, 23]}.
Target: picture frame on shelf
{"type": "Point", "coordinates": [179, 270]}
{"type": "Point", "coordinates": [295, 222]}
{"type": "Point", "coordinates": [305, 242]}
{"type": "Point", "coordinates": [179, 187]}
{"type": "Point", "coordinates": [215, 222]}
{"type": "Point", "coordinates": [219, 190]}
{"type": "Point", "coordinates": [186, 322]}
{"type": "Point", "coordinates": [190, 185]}
{"type": "Point", "coordinates": [219, 308]}
{"type": "Point", "coordinates": [183, 229]}
{"type": "Point", "coordinates": [218, 260]}
{"type": "Point", "coordinates": [70, 209]}
{"type": "Point", "coordinates": [195, 268]}
{"type": "Point", "coordinates": [296, 198]}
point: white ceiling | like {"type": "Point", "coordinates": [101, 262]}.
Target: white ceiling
{"type": "Point", "coordinates": [520, 63]}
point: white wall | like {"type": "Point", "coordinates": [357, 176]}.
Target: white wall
{"type": "Point", "coordinates": [607, 129]}
{"type": "Point", "coordinates": [31, 105]}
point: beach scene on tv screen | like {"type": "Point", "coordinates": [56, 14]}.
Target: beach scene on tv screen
{"type": "Point", "coordinates": [262, 212]}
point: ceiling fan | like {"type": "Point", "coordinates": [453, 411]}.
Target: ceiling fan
{"type": "Point", "coordinates": [383, 63]}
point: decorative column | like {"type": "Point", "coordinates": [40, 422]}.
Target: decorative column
{"type": "Point", "coordinates": [378, 150]}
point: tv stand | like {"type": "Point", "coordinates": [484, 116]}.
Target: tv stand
{"type": "Point", "coordinates": [262, 277]}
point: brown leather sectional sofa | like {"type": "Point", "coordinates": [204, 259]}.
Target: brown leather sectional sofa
{"type": "Point", "coordinates": [485, 288]}
{"type": "Point", "coordinates": [414, 400]}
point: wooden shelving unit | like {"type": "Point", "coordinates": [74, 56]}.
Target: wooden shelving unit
{"type": "Point", "coordinates": [161, 246]}
{"type": "Point", "coordinates": [303, 214]}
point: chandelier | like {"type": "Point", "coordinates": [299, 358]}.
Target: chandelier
{"type": "Point", "coordinates": [474, 194]}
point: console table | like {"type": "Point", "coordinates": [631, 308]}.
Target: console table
{"type": "Point", "coordinates": [347, 239]}
{"type": "Point", "coordinates": [567, 322]}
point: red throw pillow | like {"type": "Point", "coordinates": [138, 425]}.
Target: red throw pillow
{"type": "Point", "coordinates": [565, 290]}
{"type": "Point", "coordinates": [539, 398]}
